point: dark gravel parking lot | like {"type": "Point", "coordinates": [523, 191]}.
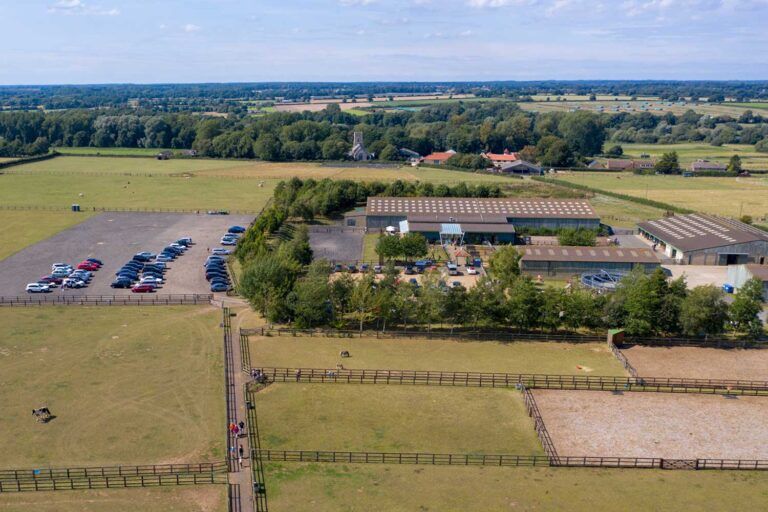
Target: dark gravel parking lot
{"type": "Point", "coordinates": [335, 243]}
{"type": "Point", "coordinates": [114, 238]}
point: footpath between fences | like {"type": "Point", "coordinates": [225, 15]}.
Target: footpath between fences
{"type": "Point", "coordinates": [109, 477]}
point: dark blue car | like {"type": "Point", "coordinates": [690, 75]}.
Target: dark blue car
{"type": "Point", "coordinates": [219, 287]}
{"type": "Point", "coordinates": [121, 283]}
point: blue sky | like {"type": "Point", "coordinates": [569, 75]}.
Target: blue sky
{"type": "Point", "coordinates": [146, 41]}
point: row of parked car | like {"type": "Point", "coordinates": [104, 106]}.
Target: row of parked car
{"type": "Point", "coordinates": [66, 276]}
{"type": "Point", "coordinates": [216, 265]}
{"type": "Point", "coordinates": [145, 272]}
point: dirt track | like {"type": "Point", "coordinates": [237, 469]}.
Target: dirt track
{"type": "Point", "coordinates": [699, 363]}
{"type": "Point", "coordinates": [637, 424]}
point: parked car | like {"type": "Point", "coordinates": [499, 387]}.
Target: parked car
{"type": "Point", "coordinates": [228, 241]}
{"type": "Point", "coordinates": [210, 277]}
{"type": "Point", "coordinates": [96, 261]}
{"type": "Point", "coordinates": [219, 287]}
{"type": "Point", "coordinates": [472, 271]}
{"type": "Point", "coordinates": [409, 271]}
{"type": "Point", "coordinates": [178, 247]}
{"type": "Point", "coordinates": [82, 275]}
{"type": "Point", "coordinates": [352, 269]}
{"type": "Point", "coordinates": [143, 256]}
{"type": "Point", "coordinates": [143, 288]}
{"type": "Point", "coordinates": [220, 251]}
{"type": "Point", "coordinates": [151, 280]}
{"type": "Point", "coordinates": [377, 269]}
{"type": "Point", "coordinates": [62, 267]}
{"type": "Point", "coordinates": [163, 258]}
{"type": "Point", "coordinates": [186, 241]}
{"type": "Point", "coordinates": [50, 280]}
{"type": "Point", "coordinates": [87, 266]}
{"type": "Point", "coordinates": [338, 268]}
{"type": "Point", "coordinates": [457, 284]}
{"type": "Point", "coordinates": [236, 229]}
{"type": "Point", "coordinates": [364, 267]}
{"type": "Point", "coordinates": [38, 288]}
{"type": "Point", "coordinates": [59, 272]}
{"type": "Point", "coordinates": [121, 283]}
{"type": "Point", "coordinates": [128, 275]}
{"type": "Point", "coordinates": [72, 282]}
{"type": "Point", "coordinates": [156, 264]}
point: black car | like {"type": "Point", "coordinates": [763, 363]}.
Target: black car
{"type": "Point", "coordinates": [174, 250]}
{"type": "Point", "coordinates": [152, 273]}
{"type": "Point", "coordinates": [153, 268]}
{"type": "Point", "coordinates": [121, 283]}
{"type": "Point", "coordinates": [95, 260]}
{"type": "Point", "coordinates": [212, 276]}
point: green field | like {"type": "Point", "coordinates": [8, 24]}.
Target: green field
{"type": "Point", "coordinates": [201, 498]}
{"type": "Point", "coordinates": [444, 355]}
{"type": "Point", "coordinates": [608, 105]}
{"type": "Point", "coordinates": [752, 105]}
{"type": "Point", "coordinates": [110, 151]}
{"type": "Point", "coordinates": [690, 152]}
{"type": "Point", "coordinates": [127, 385]}
{"type": "Point", "coordinates": [408, 419]}
{"type": "Point", "coordinates": [620, 213]}
{"type": "Point", "coordinates": [352, 488]}
{"type": "Point", "coordinates": [20, 229]}
{"type": "Point", "coordinates": [721, 196]}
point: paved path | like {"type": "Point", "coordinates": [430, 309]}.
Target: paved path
{"type": "Point", "coordinates": [236, 380]}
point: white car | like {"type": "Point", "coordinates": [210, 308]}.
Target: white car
{"type": "Point", "coordinates": [73, 282]}
{"type": "Point", "coordinates": [62, 267]}
{"type": "Point", "coordinates": [180, 247]}
{"type": "Point", "coordinates": [38, 288]}
{"type": "Point", "coordinates": [151, 280]}
{"type": "Point", "coordinates": [471, 271]}
{"type": "Point", "coordinates": [221, 251]}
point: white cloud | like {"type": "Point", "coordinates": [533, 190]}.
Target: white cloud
{"type": "Point", "coordinates": [72, 7]}
{"type": "Point", "coordinates": [357, 2]}
{"type": "Point", "coordinates": [191, 27]}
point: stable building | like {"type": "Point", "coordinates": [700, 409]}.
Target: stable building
{"type": "Point", "coordinates": [700, 239]}
{"type": "Point", "coordinates": [495, 220]}
{"type": "Point", "coordinates": [561, 260]}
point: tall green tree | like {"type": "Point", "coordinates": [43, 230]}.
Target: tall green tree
{"type": "Point", "coordinates": [703, 312]}
{"type": "Point", "coordinates": [504, 264]}
{"type": "Point", "coordinates": [746, 307]}
{"type": "Point", "coordinates": [734, 164]}
{"type": "Point", "coordinates": [668, 164]}
{"type": "Point", "coordinates": [389, 247]}
{"type": "Point", "coordinates": [414, 245]}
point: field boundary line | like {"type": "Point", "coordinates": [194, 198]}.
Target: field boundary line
{"type": "Point", "coordinates": [541, 429]}
{"type": "Point", "coordinates": [507, 380]}
{"type": "Point", "coordinates": [106, 300]}
{"type": "Point", "coordinates": [619, 355]}
{"type": "Point", "coordinates": [507, 460]}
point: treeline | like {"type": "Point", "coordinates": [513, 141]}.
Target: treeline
{"type": "Point", "coordinates": [205, 96]}
{"type": "Point", "coordinates": [646, 128]}
{"type": "Point", "coordinates": [644, 305]}
{"type": "Point", "coordinates": [557, 139]}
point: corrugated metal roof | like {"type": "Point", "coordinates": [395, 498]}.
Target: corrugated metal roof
{"type": "Point", "coordinates": [596, 254]}
{"type": "Point", "coordinates": [445, 207]}
{"type": "Point", "coordinates": [698, 231]}
{"type": "Point", "coordinates": [450, 229]}
{"type": "Point", "coordinates": [758, 271]}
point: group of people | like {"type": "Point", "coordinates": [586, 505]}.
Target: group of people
{"type": "Point", "coordinates": [258, 376]}
{"type": "Point", "coordinates": [237, 430]}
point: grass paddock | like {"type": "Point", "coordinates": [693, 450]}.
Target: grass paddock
{"type": "Point", "coordinates": [352, 488]}
{"type": "Point", "coordinates": [127, 385]}
{"type": "Point", "coordinates": [721, 196]}
{"type": "Point", "coordinates": [200, 498]}
{"type": "Point", "coordinates": [438, 354]}
{"type": "Point", "coordinates": [410, 419]}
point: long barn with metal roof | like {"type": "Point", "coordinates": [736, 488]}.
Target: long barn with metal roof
{"type": "Point", "coordinates": [559, 260]}
{"type": "Point", "coordinates": [700, 239]}
{"type": "Point", "coordinates": [480, 219]}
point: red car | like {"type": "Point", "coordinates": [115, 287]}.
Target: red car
{"type": "Point", "coordinates": [50, 279]}
{"type": "Point", "coordinates": [87, 265]}
{"type": "Point", "coordinates": [143, 288]}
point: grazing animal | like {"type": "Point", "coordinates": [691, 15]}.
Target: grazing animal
{"type": "Point", "coordinates": [42, 415]}
{"type": "Point", "coordinates": [344, 353]}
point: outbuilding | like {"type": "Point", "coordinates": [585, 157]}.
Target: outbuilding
{"type": "Point", "coordinates": [700, 239]}
{"type": "Point", "coordinates": [562, 260]}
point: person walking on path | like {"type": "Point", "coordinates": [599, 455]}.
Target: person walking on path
{"type": "Point", "coordinates": [240, 456]}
